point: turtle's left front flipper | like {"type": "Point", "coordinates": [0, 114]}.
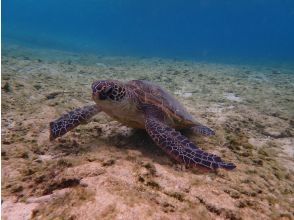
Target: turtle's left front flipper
{"type": "Point", "coordinates": [71, 120]}
{"type": "Point", "coordinates": [178, 146]}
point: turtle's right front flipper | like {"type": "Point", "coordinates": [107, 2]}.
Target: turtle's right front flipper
{"type": "Point", "coordinates": [71, 120]}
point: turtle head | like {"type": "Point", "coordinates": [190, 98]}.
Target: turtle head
{"type": "Point", "coordinates": [108, 90]}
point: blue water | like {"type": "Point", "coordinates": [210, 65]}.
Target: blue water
{"type": "Point", "coordinates": [197, 29]}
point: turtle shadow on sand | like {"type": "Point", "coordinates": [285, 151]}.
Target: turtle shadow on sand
{"type": "Point", "coordinates": [137, 140]}
{"type": "Point", "coordinates": [140, 141]}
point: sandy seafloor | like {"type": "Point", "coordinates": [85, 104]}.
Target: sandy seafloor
{"type": "Point", "coordinates": [104, 170]}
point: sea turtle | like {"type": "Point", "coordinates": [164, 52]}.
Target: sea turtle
{"type": "Point", "coordinates": [142, 104]}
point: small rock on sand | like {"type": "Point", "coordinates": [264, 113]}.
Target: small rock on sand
{"type": "Point", "coordinates": [232, 97]}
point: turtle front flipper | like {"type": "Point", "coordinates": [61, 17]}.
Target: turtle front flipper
{"type": "Point", "coordinates": [178, 146]}
{"type": "Point", "coordinates": [202, 129]}
{"type": "Point", "coordinates": [71, 120]}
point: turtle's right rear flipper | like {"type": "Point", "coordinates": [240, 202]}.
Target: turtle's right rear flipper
{"type": "Point", "coordinates": [71, 120]}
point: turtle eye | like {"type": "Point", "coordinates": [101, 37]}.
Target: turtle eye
{"type": "Point", "coordinates": [102, 96]}
{"type": "Point", "coordinates": [108, 90]}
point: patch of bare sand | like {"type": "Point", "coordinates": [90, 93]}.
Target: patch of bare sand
{"type": "Point", "coordinates": [12, 210]}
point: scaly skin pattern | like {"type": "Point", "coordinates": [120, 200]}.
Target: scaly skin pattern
{"type": "Point", "coordinates": [71, 120]}
{"type": "Point", "coordinates": [109, 89]}
{"type": "Point", "coordinates": [178, 146]}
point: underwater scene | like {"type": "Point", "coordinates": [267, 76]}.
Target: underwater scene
{"type": "Point", "coordinates": [147, 109]}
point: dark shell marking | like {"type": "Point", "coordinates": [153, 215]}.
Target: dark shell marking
{"type": "Point", "coordinates": [71, 120]}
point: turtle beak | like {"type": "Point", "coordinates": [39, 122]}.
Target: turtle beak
{"type": "Point", "coordinates": [94, 96]}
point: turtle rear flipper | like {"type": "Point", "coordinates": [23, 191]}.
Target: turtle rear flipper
{"type": "Point", "coordinates": [178, 146]}
{"type": "Point", "coordinates": [71, 120]}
